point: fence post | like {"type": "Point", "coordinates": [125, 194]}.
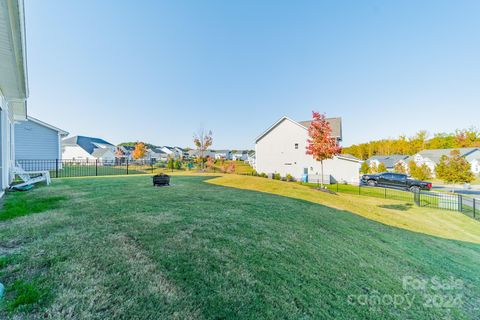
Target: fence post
{"type": "Point", "coordinates": [127, 165]}
{"type": "Point", "coordinates": [385, 193]}
{"type": "Point", "coordinates": [460, 204]}
{"type": "Point", "coordinates": [56, 168]}
{"type": "Point", "coordinates": [96, 167]}
{"type": "Point", "coordinates": [474, 207]}
{"type": "Point", "coordinates": [359, 188]}
{"type": "Point", "coordinates": [151, 164]}
{"type": "Point", "coordinates": [337, 186]}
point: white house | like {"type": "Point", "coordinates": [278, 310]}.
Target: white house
{"type": "Point", "coordinates": [475, 164]}
{"type": "Point", "coordinates": [81, 148]}
{"type": "Point", "coordinates": [240, 155]}
{"type": "Point", "coordinates": [172, 152]}
{"type": "Point", "coordinates": [389, 161]}
{"type": "Point", "coordinates": [432, 157]}
{"type": "Point", "coordinates": [38, 145]}
{"type": "Point", "coordinates": [13, 83]}
{"type": "Point", "coordinates": [251, 158]}
{"type": "Point", "coordinates": [282, 149]}
{"type": "Point", "coordinates": [223, 154]}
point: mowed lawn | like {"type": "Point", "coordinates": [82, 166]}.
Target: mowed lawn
{"type": "Point", "coordinates": [118, 248]}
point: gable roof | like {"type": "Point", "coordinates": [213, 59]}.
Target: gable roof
{"type": "Point", "coordinates": [335, 124]}
{"type": "Point", "coordinates": [46, 125]}
{"type": "Point", "coordinates": [86, 143]}
{"type": "Point", "coordinates": [347, 156]}
{"type": "Point", "coordinates": [390, 160]}
{"type": "Point", "coordinates": [436, 154]}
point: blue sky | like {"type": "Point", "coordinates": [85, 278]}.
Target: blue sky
{"type": "Point", "coordinates": [156, 71]}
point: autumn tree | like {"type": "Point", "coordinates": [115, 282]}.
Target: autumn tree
{"type": "Point", "coordinates": [139, 151]}
{"type": "Point", "coordinates": [421, 172]}
{"type": "Point", "coordinates": [381, 168]}
{"type": "Point", "coordinates": [454, 169]}
{"type": "Point", "coordinates": [202, 140]}
{"type": "Point", "coordinates": [399, 167]}
{"type": "Point", "coordinates": [210, 163]}
{"type": "Point", "coordinates": [365, 168]}
{"type": "Point", "coordinates": [320, 143]}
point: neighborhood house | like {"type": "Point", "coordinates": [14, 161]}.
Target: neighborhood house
{"type": "Point", "coordinates": [389, 161]}
{"type": "Point", "coordinates": [432, 157]}
{"type": "Point", "coordinates": [38, 145]}
{"type": "Point", "coordinates": [282, 149]}
{"type": "Point", "coordinates": [88, 149]}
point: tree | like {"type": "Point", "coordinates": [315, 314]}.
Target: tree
{"type": "Point", "coordinates": [210, 163]}
{"type": "Point", "coordinates": [399, 167]}
{"type": "Point", "coordinates": [454, 169]}
{"type": "Point", "coordinates": [170, 163]}
{"type": "Point", "coordinates": [421, 172]}
{"type": "Point", "coordinates": [365, 168]}
{"type": "Point", "coordinates": [202, 140]}
{"type": "Point", "coordinates": [320, 144]}
{"type": "Point", "coordinates": [139, 151]}
{"type": "Point", "coordinates": [373, 168]}
{"type": "Point", "coordinates": [381, 168]}
{"type": "Point", "coordinates": [119, 153]}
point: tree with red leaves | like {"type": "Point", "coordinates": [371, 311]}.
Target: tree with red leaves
{"type": "Point", "coordinates": [320, 144]}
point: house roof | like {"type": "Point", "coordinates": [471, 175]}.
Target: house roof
{"type": "Point", "coordinates": [390, 160]}
{"type": "Point", "coordinates": [436, 154]}
{"type": "Point", "coordinates": [335, 124]}
{"type": "Point", "coordinates": [86, 143]}
{"type": "Point", "coordinates": [348, 156]}
{"type": "Point", "coordinates": [44, 124]}
{"type": "Point", "coordinates": [221, 151]}
{"type": "Point", "coordinates": [158, 150]}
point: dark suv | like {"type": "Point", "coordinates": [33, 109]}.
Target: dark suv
{"type": "Point", "coordinates": [395, 180]}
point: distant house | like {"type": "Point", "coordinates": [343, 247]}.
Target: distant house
{"type": "Point", "coordinates": [388, 161]}
{"type": "Point", "coordinates": [38, 145]}
{"type": "Point", "coordinates": [240, 155]}
{"type": "Point", "coordinates": [157, 154]}
{"type": "Point", "coordinates": [432, 157]}
{"type": "Point", "coordinates": [223, 154]}
{"type": "Point", "coordinates": [251, 158]}
{"type": "Point", "coordinates": [281, 149]}
{"type": "Point", "coordinates": [181, 152]}
{"type": "Point", "coordinates": [88, 149]}
{"type": "Point", "coordinates": [172, 152]}
{"type": "Point", "coordinates": [126, 152]}
{"type": "Point", "coordinates": [475, 163]}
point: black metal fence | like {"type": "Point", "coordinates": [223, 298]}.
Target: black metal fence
{"type": "Point", "coordinates": [446, 201]}
{"type": "Point", "coordinates": [65, 168]}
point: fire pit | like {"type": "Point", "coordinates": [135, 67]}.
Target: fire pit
{"type": "Point", "coordinates": [160, 180]}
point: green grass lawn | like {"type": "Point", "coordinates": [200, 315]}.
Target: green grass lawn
{"type": "Point", "coordinates": [118, 248]}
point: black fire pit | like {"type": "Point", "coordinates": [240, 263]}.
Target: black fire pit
{"type": "Point", "coordinates": [160, 180]}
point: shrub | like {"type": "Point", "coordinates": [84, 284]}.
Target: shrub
{"type": "Point", "coordinates": [289, 177]}
{"type": "Point", "coordinates": [254, 173]}
{"type": "Point", "coordinates": [263, 175]}
{"type": "Point", "coordinates": [177, 165]}
{"type": "Point", "coordinates": [276, 176]}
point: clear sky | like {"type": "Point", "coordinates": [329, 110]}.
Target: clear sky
{"type": "Point", "coordinates": [156, 71]}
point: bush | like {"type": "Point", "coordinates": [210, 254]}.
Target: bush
{"type": "Point", "coordinates": [289, 177]}
{"type": "Point", "coordinates": [254, 173]}
{"type": "Point", "coordinates": [263, 175]}
{"type": "Point", "coordinates": [276, 176]}
{"type": "Point", "coordinates": [177, 165]}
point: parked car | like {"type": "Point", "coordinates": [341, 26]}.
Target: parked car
{"type": "Point", "coordinates": [395, 180]}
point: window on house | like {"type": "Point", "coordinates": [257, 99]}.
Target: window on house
{"type": "Point", "coordinates": [296, 145]}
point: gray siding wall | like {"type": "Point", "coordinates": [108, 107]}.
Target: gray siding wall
{"type": "Point", "coordinates": [35, 142]}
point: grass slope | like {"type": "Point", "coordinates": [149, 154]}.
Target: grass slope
{"type": "Point", "coordinates": [117, 248]}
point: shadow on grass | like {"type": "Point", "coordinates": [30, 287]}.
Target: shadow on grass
{"type": "Point", "coordinates": [400, 207]}
{"type": "Point", "coordinates": [22, 204]}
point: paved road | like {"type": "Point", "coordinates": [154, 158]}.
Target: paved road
{"type": "Point", "coordinates": [470, 192]}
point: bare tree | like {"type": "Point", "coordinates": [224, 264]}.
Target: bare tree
{"type": "Point", "coordinates": [203, 140]}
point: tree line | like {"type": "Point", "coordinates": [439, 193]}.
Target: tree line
{"type": "Point", "coordinates": [464, 138]}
